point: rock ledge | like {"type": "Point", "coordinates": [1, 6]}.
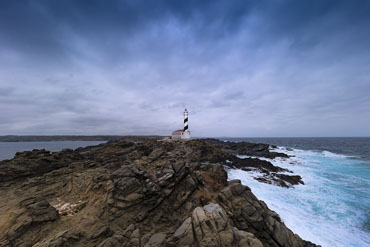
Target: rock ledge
{"type": "Point", "coordinates": [144, 193]}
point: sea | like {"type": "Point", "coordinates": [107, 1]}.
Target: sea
{"type": "Point", "coordinates": [8, 149]}
{"type": "Point", "coordinates": [332, 208]}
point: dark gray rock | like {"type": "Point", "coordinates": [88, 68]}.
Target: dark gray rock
{"type": "Point", "coordinates": [144, 193]}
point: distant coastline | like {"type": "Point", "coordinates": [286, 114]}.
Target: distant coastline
{"type": "Point", "coordinates": [42, 138]}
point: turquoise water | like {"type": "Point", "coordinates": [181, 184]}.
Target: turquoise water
{"type": "Point", "coordinates": [332, 208]}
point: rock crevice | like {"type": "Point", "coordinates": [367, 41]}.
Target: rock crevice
{"type": "Point", "coordinates": [145, 193]}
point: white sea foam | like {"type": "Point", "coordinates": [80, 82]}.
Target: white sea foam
{"type": "Point", "coordinates": [330, 209]}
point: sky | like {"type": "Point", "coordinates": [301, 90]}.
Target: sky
{"type": "Point", "coordinates": [242, 68]}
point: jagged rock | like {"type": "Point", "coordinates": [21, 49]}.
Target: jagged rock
{"type": "Point", "coordinates": [36, 162]}
{"type": "Point", "coordinates": [135, 238]}
{"type": "Point", "coordinates": [100, 231]}
{"type": "Point", "coordinates": [39, 209]}
{"type": "Point", "coordinates": [156, 240]}
{"type": "Point", "coordinates": [282, 180]}
{"type": "Point", "coordinates": [184, 234]}
{"type": "Point", "coordinates": [144, 193]}
{"type": "Point", "coordinates": [211, 226]}
{"type": "Point", "coordinates": [61, 239]}
{"type": "Point", "coordinates": [27, 214]}
{"type": "Point", "coordinates": [246, 239]}
{"type": "Point", "coordinates": [247, 148]}
{"type": "Point", "coordinates": [252, 215]}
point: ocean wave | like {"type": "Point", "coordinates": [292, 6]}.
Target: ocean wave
{"type": "Point", "coordinates": [331, 154]}
{"type": "Point", "coordinates": [295, 151]}
{"type": "Point", "coordinates": [331, 209]}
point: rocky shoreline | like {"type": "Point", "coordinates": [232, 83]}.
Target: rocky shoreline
{"type": "Point", "coordinates": [141, 193]}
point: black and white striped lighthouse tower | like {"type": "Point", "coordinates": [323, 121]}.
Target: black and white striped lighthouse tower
{"type": "Point", "coordinates": [186, 120]}
{"type": "Point", "coordinates": [186, 132]}
{"type": "Point", "coordinates": [182, 133]}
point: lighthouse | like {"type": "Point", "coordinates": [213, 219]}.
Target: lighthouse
{"type": "Point", "coordinates": [186, 132]}
{"type": "Point", "coordinates": [183, 134]}
{"type": "Point", "coordinates": [186, 120]}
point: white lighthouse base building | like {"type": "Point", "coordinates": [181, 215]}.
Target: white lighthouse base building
{"type": "Point", "coordinates": [181, 135]}
{"type": "Point", "coordinates": [186, 135]}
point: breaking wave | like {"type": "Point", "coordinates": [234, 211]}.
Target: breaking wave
{"type": "Point", "coordinates": [332, 208]}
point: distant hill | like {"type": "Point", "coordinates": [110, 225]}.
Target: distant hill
{"type": "Point", "coordinates": [36, 138]}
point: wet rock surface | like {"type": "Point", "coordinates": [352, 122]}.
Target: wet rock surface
{"type": "Point", "coordinates": [143, 193]}
{"type": "Point", "coordinates": [270, 174]}
{"type": "Point", "coordinates": [247, 148]}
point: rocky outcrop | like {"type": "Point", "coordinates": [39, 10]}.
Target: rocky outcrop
{"type": "Point", "coordinates": [145, 193]}
{"type": "Point", "coordinates": [247, 148]}
{"type": "Point", "coordinates": [211, 226]}
{"type": "Point", "coordinates": [270, 174]}
{"type": "Point", "coordinates": [31, 213]}
{"type": "Point", "coordinates": [36, 162]}
{"type": "Point", "coordinates": [252, 215]}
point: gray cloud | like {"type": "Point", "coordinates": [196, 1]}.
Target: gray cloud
{"type": "Point", "coordinates": [243, 68]}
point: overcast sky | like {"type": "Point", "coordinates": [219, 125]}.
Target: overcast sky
{"type": "Point", "coordinates": [242, 68]}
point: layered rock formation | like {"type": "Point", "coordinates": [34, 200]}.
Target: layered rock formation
{"type": "Point", "coordinates": [247, 148]}
{"type": "Point", "coordinates": [145, 193]}
{"type": "Point", "coordinates": [270, 174]}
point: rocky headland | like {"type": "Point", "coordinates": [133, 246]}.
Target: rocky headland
{"type": "Point", "coordinates": [141, 193]}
